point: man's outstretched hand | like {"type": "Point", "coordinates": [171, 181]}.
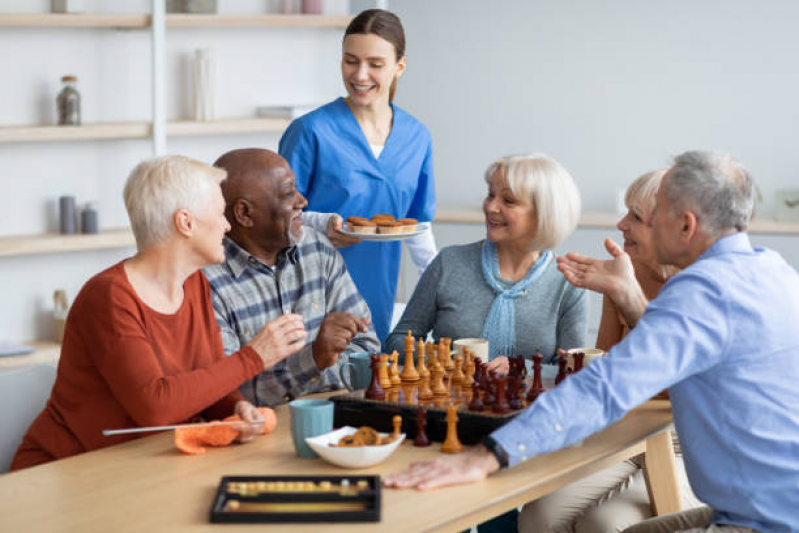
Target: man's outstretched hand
{"type": "Point", "coordinates": [467, 467]}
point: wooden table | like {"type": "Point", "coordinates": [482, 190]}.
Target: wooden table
{"type": "Point", "coordinates": [148, 486]}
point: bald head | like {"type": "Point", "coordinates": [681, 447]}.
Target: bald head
{"type": "Point", "coordinates": [247, 169]}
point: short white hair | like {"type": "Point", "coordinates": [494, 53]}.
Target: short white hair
{"type": "Point", "coordinates": [158, 187]}
{"type": "Point", "coordinates": [544, 185]}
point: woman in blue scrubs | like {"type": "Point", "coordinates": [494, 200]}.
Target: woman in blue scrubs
{"type": "Point", "coordinates": [362, 155]}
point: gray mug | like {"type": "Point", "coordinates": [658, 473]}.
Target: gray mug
{"type": "Point", "coordinates": [361, 373]}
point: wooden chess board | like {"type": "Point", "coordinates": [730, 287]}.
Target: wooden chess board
{"type": "Point", "coordinates": [353, 409]}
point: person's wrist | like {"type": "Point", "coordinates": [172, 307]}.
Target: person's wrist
{"type": "Point", "coordinates": [497, 453]}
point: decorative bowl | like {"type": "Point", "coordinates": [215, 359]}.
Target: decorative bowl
{"type": "Point", "coordinates": [354, 457]}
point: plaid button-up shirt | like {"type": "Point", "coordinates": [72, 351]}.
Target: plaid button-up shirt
{"type": "Point", "coordinates": [310, 279]}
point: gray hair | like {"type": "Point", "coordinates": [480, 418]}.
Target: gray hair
{"type": "Point", "coordinates": [715, 186]}
{"type": "Point", "coordinates": [158, 187]}
{"type": "Point", "coordinates": [542, 183]}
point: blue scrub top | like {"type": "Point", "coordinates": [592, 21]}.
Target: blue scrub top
{"type": "Point", "coordinates": [338, 173]}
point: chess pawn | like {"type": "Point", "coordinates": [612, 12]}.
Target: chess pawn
{"type": "Point", "coordinates": [457, 373]}
{"type": "Point", "coordinates": [375, 391]}
{"type": "Point", "coordinates": [537, 387]}
{"type": "Point", "coordinates": [562, 362]}
{"type": "Point", "coordinates": [409, 373]}
{"type": "Point", "coordinates": [425, 392]}
{"type": "Point", "coordinates": [468, 375]}
{"type": "Point", "coordinates": [397, 422]}
{"type": "Point", "coordinates": [437, 383]}
{"type": "Point", "coordinates": [475, 404]}
{"type": "Point", "coordinates": [393, 371]}
{"type": "Point", "coordinates": [451, 443]}
{"type": "Point", "coordinates": [517, 390]}
{"type": "Point", "coordinates": [421, 428]}
{"type": "Point", "coordinates": [501, 404]}
{"type": "Point", "coordinates": [420, 366]}
{"type": "Point", "coordinates": [385, 382]}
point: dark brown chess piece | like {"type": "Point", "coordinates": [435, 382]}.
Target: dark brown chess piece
{"type": "Point", "coordinates": [375, 391]}
{"type": "Point", "coordinates": [490, 384]}
{"type": "Point", "coordinates": [578, 360]}
{"type": "Point", "coordinates": [421, 428]}
{"type": "Point", "coordinates": [501, 404]}
{"type": "Point", "coordinates": [475, 404]}
{"type": "Point", "coordinates": [517, 390]}
{"type": "Point", "coordinates": [537, 388]}
{"type": "Point", "coordinates": [562, 362]}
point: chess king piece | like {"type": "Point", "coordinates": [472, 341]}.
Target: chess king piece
{"type": "Point", "coordinates": [385, 382]}
{"type": "Point", "coordinates": [451, 443]}
{"type": "Point", "coordinates": [421, 367]}
{"type": "Point", "coordinates": [393, 370]}
{"type": "Point", "coordinates": [537, 387]}
{"type": "Point", "coordinates": [375, 391]}
{"type": "Point", "coordinates": [409, 373]}
{"type": "Point", "coordinates": [421, 428]}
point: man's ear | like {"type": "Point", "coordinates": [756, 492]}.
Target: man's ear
{"type": "Point", "coordinates": [242, 213]}
{"type": "Point", "coordinates": [690, 225]}
{"type": "Point", "coordinates": [184, 222]}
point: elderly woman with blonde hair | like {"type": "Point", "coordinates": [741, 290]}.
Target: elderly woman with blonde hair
{"type": "Point", "coordinates": [506, 288]}
{"type": "Point", "coordinates": [141, 345]}
{"type": "Point", "coordinates": [615, 498]}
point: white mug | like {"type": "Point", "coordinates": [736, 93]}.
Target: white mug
{"type": "Point", "coordinates": [479, 347]}
{"type": "Point", "coordinates": [590, 355]}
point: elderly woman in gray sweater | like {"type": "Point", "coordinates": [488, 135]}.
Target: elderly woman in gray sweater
{"type": "Point", "coordinates": [506, 288]}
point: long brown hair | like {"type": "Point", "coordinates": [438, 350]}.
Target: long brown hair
{"type": "Point", "coordinates": [385, 25]}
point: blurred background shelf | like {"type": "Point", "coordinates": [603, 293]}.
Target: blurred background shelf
{"type": "Point", "coordinates": [73, 20]}
{"type": "Point", "coordinates": [88, 20]}
{"type": "Point", "coordinates": [48, 243]}
{"type": "Point", "coordinates": [45, 353]}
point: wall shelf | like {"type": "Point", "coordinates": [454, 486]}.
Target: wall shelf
{"type": "Point", "coordinates": [606, 220]}
{"type": "Point", "coordinates": [233, 125]}
{"type": "Point", "coordinates": [48, 243]}
{"type": "Point", "coordinates": [87, 20]}
{"type": "Point", "coordinates": [45, 353]}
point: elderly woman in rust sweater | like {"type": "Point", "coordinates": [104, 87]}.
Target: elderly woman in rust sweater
{"type": "Point", "coordinates": [141, 346]}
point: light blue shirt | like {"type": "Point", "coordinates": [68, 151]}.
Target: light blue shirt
{"type": "Point", "coordinates": [723, 336]}
{"type": "Point", "coordinates": [337, 172]}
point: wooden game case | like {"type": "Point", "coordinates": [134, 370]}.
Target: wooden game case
{"type": "Point", "coordinates": [291, 499]}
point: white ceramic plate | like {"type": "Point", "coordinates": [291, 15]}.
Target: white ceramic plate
{"type": "Point", "coordinates": [360, 457]}
{"type": "Point", "coordinates": [420, 228]}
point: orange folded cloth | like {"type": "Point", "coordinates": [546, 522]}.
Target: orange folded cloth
{"type": "Point", "coordinates": [192, 441]}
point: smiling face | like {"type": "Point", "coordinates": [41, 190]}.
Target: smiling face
{"type": "Point", "coordinates": [509, 220]}
{"type": "Point", "coordinates": [277, 213]}
{"type": "Point", "coordinates": [638, 236]}
{"type": "Point", "coordinates": [666, 230]}
{"type": "Point", "coordinates": [368, 67]}
{"type": "Point", "coordinates": [211, 228]}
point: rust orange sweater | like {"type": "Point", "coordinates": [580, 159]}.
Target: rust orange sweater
{"type": "Point", "coordinates": [125, 365]}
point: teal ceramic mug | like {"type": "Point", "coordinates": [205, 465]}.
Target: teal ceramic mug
{"type": "Point", "coordinates": [360, 373]}
{"type": "Point", "coordinates": [309, 418]}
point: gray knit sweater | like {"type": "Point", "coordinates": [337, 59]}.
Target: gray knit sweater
{"type": "Point", "coordinates": [452, 300]}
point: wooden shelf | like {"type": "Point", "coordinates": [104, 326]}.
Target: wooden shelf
{"type": "Point", "coordinates": [99, 131]}
{"type": "Point", "coordinates": [606, 220]}
{"type": "Point", "coordinates": [73, 20]}
{"type": "Point", "coordinates": [48, 243]}
{"type": "Point", "coordinates": [45, 353]}
{"type": "Point", "coordinates": [88, 20]}
{"type": "Point", "coordinates": [257, 21]}
{"type": "Point", "coordinates": [233, 125]}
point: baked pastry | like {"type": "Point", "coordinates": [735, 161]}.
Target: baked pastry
{"type": "Point", "coordinates": [361, 225]}
{"type": "Point", "coordinates": [389, 226]}
{"type": "Point", "coordinates": [408, 224]}
{"type": "Point", "coordinates": [383, 218]}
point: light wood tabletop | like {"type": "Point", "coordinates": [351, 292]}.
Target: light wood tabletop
{"type": "Point", "coordinates": [147, 485]}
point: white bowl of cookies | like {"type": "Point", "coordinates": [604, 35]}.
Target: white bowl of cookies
{"type": "Point", "coordinates": [351, 447]}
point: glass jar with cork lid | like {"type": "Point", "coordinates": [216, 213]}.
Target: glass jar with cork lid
{"type": "Point", "coordinates": [69, 102]}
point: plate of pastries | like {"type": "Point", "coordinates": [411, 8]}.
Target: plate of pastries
{"type": "Point", "coordinates": [383, 227]}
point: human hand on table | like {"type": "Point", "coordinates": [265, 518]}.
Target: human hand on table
{"type": "Point", "coordinates": [334, 225]}
{"type": "Point", "coordinates": [279, 338]}
{"type": "Point", "coordinates": [467, 467]}
{"type": "Point", "coordinates": [500, 365]}
{"type": "Point", "coordinates": [252, 421]}
{"type": "Point", "coordinates": [335, 334]}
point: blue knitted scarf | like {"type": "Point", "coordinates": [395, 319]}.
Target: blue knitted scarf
{"type": "Point", "coordinates": [500, 325]}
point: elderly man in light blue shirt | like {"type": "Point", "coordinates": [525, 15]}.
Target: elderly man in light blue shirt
{"type": "Point", "coordinates": [721, 335]}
